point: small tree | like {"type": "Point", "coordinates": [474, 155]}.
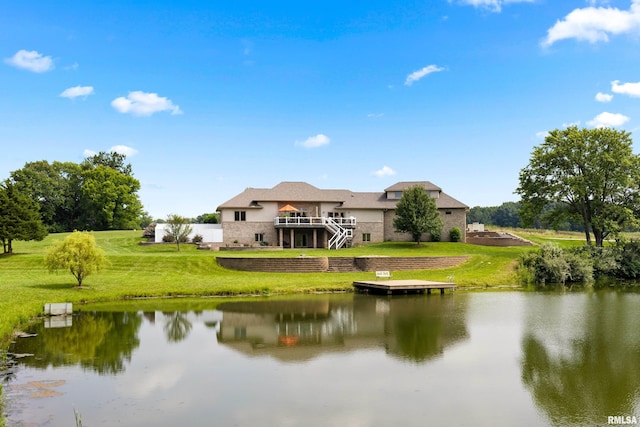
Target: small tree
{"type": "Point", "coordinates": [417, 213]}
{"type": "Point", "coordinates": [78, 253]}
{"type": "Point", "coordinates": [178, 228]}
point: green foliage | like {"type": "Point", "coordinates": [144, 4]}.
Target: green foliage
{"type": "Point", "coordinates": [19, 218]}
{"type": "Point", "coordinates": [208, 218]}
{"type": "Point", "coordinates": [77, 253]}
{"type": "Point", "coordinates": [98, 194]}
{"type": "Point", "coordinates": [455, 234]}
{"type": "Point", "coordinates": [553, 265]}
{"type": "Point", "coordinates": [629, 260]}
{"type": "Point", "coordinates": [417, 213]}
{"type": "Point", "coordinates": [590, 176]}
{"type": "Point", "coordinates": [145, 220]}
{"type": "Point", "coordinates": [505, 215]}
{"type": "Point", "coordinates": [178, 228]}
{"type": "Point", "coordinates": [197, 238]}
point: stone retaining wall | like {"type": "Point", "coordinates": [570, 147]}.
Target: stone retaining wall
{"type": "Point", "coordinates": [308, 264]}
{"type": "Point", "coordinates": [492, 238]}
{"type": "Point", "coordinates": [408, 263]}
{"type": "Point", "coordinates": [304, 264]}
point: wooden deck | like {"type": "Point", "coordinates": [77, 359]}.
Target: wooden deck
{"type": "Point", "coordinates": [401, 286]}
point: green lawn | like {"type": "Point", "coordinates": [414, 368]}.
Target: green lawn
{"type": "Point", "coordinates": [159, 270]}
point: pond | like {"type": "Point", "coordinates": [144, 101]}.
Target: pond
{"type": "Point", "coordinates": [486, 358]}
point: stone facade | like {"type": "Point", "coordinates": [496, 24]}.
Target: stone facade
{"type": "Point", "coordinates": [249, 217]}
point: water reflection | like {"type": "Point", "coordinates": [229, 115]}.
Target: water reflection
{"type": "Point", "coordinates": [414, 329]}
{"type": "Point", "coordinates": [101, 342]}
{"type": "Point", "coordinates": [176, 326]}
{"type": "Point", "coordinates": [581, 356]}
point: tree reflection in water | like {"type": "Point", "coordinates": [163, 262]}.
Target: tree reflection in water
{"type": "Point", "coordinates": [98, 341]}
{"type": "Point", "coordinates": [580, 372]}
{"type": "Point", "coordinates": [176, 325]}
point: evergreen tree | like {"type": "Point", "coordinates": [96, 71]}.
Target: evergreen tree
{"type": "Point", "coordinates": [19, 218]}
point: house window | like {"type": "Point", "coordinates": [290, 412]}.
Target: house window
{"type": "Point", "coordinates": [398, 194]}
{"type": "Point", "coordinates": [447, 212]}
{"type": "Point", "coordinates": [259, 237]}
{"type": "Point", "coordinates": [366, 237]}
{"type": "Point", "coordinates": [240, 215]}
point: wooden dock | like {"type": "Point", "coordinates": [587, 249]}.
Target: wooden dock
{"type": "Point", "coordinates": [401, 286]}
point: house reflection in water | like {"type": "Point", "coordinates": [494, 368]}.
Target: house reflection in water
{"type": "Point", "coordinates": [414, 328]}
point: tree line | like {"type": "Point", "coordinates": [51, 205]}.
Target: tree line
{"type": "Point", "coordinates": [100, 193]}
{"type": "Point", "coordinates": [507, 215]}
{"type": "Point", "coordinates": [578, 179]}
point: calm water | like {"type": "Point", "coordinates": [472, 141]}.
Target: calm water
{"type": "Point", "coordinates": [464, 359]}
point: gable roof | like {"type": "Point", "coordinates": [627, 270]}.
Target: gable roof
{"type": "Point", "coordinates": [291, 192]}
{"type": "Point", "coordinates": [403, 185]}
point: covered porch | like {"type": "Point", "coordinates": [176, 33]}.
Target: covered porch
{"type": "Point", "coordinates": [313, 232]}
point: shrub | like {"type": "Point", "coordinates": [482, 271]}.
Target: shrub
{"type": "Point", "coordinates": [629, 260]}
{"type": "Point", "coordinates": [455, 234]}
{"type": "Point", "coordinates": [149, 231]}
{"type": "Point", "coordinates": [436, 235]}
{"type": "Point", "coordinates": [197, 238]}
{"type": "Point", "coordinates": [168, 238]}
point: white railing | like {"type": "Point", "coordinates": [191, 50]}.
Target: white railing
{"type": "Point", "coordinates": [305, 221]}
{"type": "Point", "coordinates": [336, 226]}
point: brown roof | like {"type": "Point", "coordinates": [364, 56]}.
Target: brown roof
{"type": "Point", "coordinates": [303, 192]}
{"type": "Point", "coordinates": [401, 186]}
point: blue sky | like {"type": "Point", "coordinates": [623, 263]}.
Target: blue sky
{"type": "Point", "coordinates": [207, 98]}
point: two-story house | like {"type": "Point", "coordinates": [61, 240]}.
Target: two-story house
{"type": "Point", "coordinates": [299, 215]}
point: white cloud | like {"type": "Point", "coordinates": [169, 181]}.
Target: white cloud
{"type": "Point", "coordinates": [568, 125]}
{"type": "Point", "coordinates": [89, 153]}
{"type": "Point", "coordinates": [31, 60]}
{"type": "Point", "coordinates": [631, 89]}
{"type": "Point", "coordinates": [542, 134]}
{"type": "Point", "coordinates": [417, 75]}
{"type": "Point", "coordinates": [76, 91]}
{"type": "Point", "coordinates": [608, 120]}
{"type": "Point", "coordinates": [123, 149]}
{"type": "Point", "coordinates": [492, 5]}
{"type": "Point", "coordinates": [595, 24]}
{"type": "Point", "coordinates": [385, 171]}
{"type": "Point", "coordinates": [603, 97]}
{"type": "Point", "coordinates": [141, 103]}
{"type": "Point", "coordinates": [314, 141]}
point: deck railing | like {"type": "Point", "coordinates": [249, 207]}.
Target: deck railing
{"type": "Point", "coordinates": [341, 229]}
{"type": "Point", "coordinates": [306, 221]}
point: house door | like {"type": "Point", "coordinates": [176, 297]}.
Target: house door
{"type": "Point", "coordinates": [302, 241]}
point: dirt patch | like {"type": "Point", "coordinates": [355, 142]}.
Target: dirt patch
{"type": "Point", "coordinates": [41, 389]}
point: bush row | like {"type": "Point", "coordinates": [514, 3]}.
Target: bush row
{"type": "Point", "coordinates": [552, 265]}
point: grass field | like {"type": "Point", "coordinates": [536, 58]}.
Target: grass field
{"type": "Point", "coordinates": [159, 270]}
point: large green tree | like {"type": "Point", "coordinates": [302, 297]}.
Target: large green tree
{"type": "Point", "coordinates": [588, 175]}
{"type": "Point", "coordinates": [98, 194]}
{"type": "Point", "coordinates": [19, 218]}
{"type": "Point", "coordinates": [417, 213]}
